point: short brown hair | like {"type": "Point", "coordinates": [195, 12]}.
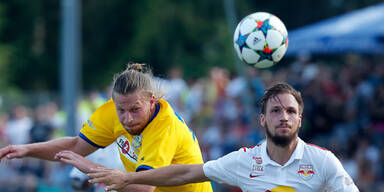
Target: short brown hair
{"type": "Point", "coordinates": [280, 88]}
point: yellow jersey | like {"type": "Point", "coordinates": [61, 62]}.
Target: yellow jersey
{"type": "Point", "coordinates": [166, 140]}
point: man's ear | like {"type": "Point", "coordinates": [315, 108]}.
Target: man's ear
{"type": "Point", "coordinates": [301, 118]}
{"type": "Point", "coordinates": [262, 120]}
{"type": "Point", "coordinates": [152, 100]}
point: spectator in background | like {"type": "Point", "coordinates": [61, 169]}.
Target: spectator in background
{"type": "Point", "coordinates": [377, 114]}
{"type": "Point", "coordinates": [42, 128]}
{"type": "Point", "coordinates": [19, 126]}
{"type": "Point", "coordinates": [178, 90]}
{"type": "Point", "coordinates": [3, 122]}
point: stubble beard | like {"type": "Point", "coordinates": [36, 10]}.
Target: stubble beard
{"type": "Point", "coordinates": [281, 141]}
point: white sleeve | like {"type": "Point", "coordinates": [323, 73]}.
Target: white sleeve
{"type": "Point", "coordinates": [224, 169]}
{"type": "Point", "coordinates": [337, 178]}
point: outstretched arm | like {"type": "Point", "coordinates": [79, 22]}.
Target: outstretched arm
{"type": "Point", "coordinates": [165, 176]}
{"type": "Point", "coordinates": [76, 160]}
{"type": "Point", "coordinates": [85, 165]}
{"type": "Point", "coordinates": [47, 150]}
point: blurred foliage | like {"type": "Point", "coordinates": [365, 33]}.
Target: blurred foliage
{"type": "Point", "coordinates": [162, 33]}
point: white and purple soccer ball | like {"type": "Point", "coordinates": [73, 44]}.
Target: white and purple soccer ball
{"type": "Point", "coordinates": [260, 40]}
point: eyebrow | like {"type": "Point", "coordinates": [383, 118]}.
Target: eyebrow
{"type": "Point", "coordinates": [283, 107]}
{"type": "Point", "coordinates": [279, 104]}
{"type": "Point", "coordinates": [131, 105]}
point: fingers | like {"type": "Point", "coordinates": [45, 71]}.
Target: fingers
{"type": "Point", "coordinates": [69, 155]}
{"type": "Point", "coordinates": [107, 176]}
{"type": "Point", "coordinates": [4, 151]}
{"type": "Point", "coordinates": [10, 152]}
{"type": "Point", "coordinates": [98, 175]}
{"type": "Point", "coordinates": [67, 161]}
{"type": "Point", "coordinates": [112, 187]}
{"type": "Point", "coordinates": [100, 179]}
{"type": "Point", "coordinates": [99, 169]}
{"type": "Point", "coordinates": [66, 153]}
{"type": "Point", "coordinates": [97, 180]}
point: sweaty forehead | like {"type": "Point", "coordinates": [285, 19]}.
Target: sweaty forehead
{"type": "Point", "coordinates": [284, 100]}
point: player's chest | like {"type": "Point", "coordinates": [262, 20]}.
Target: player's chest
{"type": "Point", "coordinates": [129, 148]}
{"type": "Point", "coordinates": [299, 176]}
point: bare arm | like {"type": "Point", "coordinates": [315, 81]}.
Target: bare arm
{"type": "Point", "coordinates": [47, 150]}
{"type": "Point", "coordinates": [165, 176]}
{"type": "Point", "coordinates": [171, 175]}
{"type": "Point", "coordinates": [85, 165]}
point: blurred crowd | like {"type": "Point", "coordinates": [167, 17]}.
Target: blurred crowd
{"type": "Point", "coordinates": [344, 112]}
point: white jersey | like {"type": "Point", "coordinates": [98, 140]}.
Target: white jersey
{"type": "Point", "coordinates": [310, 168]}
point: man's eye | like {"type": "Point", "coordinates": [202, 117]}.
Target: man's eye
{"type": "Point", "coordinates": [135, 109]}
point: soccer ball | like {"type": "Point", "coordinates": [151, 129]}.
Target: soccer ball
{"type": "Point", "coordinates": [260, 39]}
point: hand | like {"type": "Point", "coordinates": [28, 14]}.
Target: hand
{"type": "Point", "coordinates": [113, 179]}
{"type": "Point", "coordinates": [13, 151]}
{"type": "Point", "coordinates": [76, 160]}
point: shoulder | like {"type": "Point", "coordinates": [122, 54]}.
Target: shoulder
{"type": "Point", "coordinates": [165, 111]}
{"type": "Point", "coordinates": [317, 153]}
{"type": "Point", "coordinates": [105, 112]}
{"type": "Point", "coordinates": [167, 115]}
{"type": "Point", "coordinates": [240, 158]}
{"type": "Point", "coordinates": [107, 107]}
{"type": "Point", "coordinates": [315, 147]}
{"type": "Point", "coordinates": [253, 149]}
{"type": "Point", "coordinates": [165, 121]}
{"type": "Point", "coordinates": [250, 152]}
{"type": "Point", "coordinates": [312, 148]}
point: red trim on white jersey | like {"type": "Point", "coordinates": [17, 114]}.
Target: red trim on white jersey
{"type": "Point", "coordinates": [310, 144]}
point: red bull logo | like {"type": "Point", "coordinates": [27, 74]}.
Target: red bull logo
{"type": "Point", "coordinates": [306, 172]}
{"type": "Point", "coordinates": [258, 160]}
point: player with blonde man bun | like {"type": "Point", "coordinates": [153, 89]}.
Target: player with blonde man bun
{"type": "Point", "coordinates": [149, 134]}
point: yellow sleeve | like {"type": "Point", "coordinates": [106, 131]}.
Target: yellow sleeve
{"type": "Point", "coordinates": [158, 147]}
{"type": "Point", "coordinates": [99, 129]}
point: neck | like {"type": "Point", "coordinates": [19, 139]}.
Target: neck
{"type": "Point", "coordinates": [153, 110]}
{"type": "Point", "coordinates": [279, 154]}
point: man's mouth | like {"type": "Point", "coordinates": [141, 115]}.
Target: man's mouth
{"type": "Point", "coordinates": [130, 126]}
{"type": "Point", "coordinates": [285, 126]}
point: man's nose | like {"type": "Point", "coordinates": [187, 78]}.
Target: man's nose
{"type": "Point", "coordinates": [284, 116]}
{"type": "Point", "coordinates": [128, 118]}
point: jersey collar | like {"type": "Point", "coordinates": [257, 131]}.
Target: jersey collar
{"type": "Point", "coordinates": [297, 154]}
{"type": "Point", "coordinates": [156, 112]}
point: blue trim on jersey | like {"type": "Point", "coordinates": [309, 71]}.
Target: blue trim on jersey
{"type": "Point", "coordinates": [182, 120]}
{"type": "Point", "coordinates": [89, 141]}
{"type": "Point", "coordinates": [193, 135]}
{"type": "Point", "coordinates": [179, 117]}
{"type": "Point", "coordinates": [155, 114]}
{"type": "Point", "coordinates": [143, 168]}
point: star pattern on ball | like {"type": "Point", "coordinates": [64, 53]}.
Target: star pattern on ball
{"type": "Point", "coordinates": [267, 49]}
{"type": "Point", "coordinates": [263, 26]}
{"type": "Point", "coordinates": [241, 41]}
{"type": "Point", "coordinates": [266, 53]}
